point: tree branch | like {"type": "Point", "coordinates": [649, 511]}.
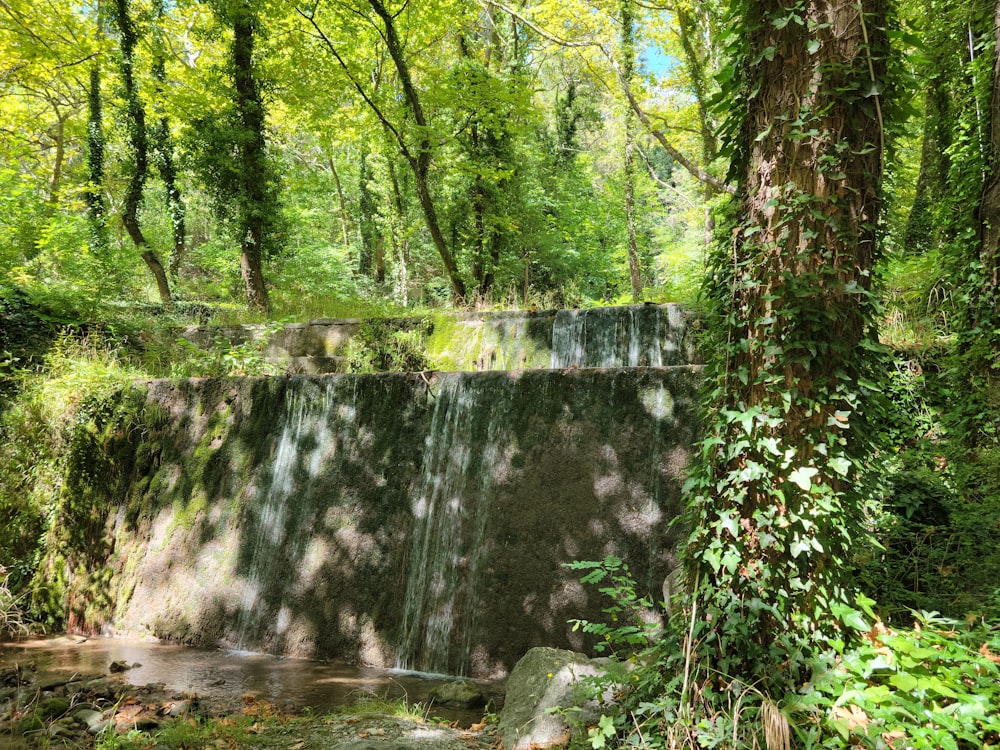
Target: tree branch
{"type": "Point", "coordinates": [357, 85]}
{"type": "Point", "coordinates": [676, 155]}
{"type": "Point", "coordinates": [535, 27]}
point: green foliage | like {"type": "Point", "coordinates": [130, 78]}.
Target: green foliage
{"type": "Point", "coordinates": [936, 516]}
{"type": "Point", "coordinates": [222, 358]}
{"type": "Point", "coordinates": [390, 345]}
{"type": "Point", "coordinates": [629, 624]}
{"type": "Point", "coordinates": [932, 687]}
{"type": "Point", "coordinates": [11, 608]}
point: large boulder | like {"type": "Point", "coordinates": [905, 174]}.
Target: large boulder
{"type": "Point", "coordinates": [547, 699]}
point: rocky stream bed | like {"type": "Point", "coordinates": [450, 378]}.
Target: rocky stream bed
{"type": "Point", "coordinates": [81, 710]}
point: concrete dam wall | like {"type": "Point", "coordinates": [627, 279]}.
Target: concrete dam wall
{"type": "Point", "coordinates": [416, 520]}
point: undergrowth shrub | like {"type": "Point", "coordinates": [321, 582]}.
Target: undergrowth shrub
{"type": "Point", "coordinates": [935, 684]}
{"type": "Point", "coordinates": [938, 522]}
{"type": "Point", "coordinates": [36, 432]}
{"type": "Point", "coordinates": [390, 345]}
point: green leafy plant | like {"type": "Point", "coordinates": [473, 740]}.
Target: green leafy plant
{"type": "Point", "coordinates": [933, 686]}
{"type": "Point", "coordinates": [390, 345]}
{"type": "Point", "coordinates": [632, 622]}
{"type": "Point", "coordinates": [12, 621]}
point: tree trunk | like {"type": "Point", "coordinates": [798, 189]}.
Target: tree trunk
{"type": "Point", "coordinates": [94, 194]}
{"type": "Point", "coordinates": [164, 151]}
{"type": "Point", "coordinates": [693, 58]}
{"type": "Point", "coordinates": [628, 68]}
{"type": "Point", "coordinates": [59, 137]}
{"type": "Point", "coordinates": [782, 490]}
{"type": "Point", "coordinates": [989, 206]}
{"type": "Point", "coordinates": [256, 211]}
{"type": "Point", "coordinates": [139, 147]}
{"type": "Point", "coordinates": [371, 236]}
{"type": "Point", "coordinates": [340, 199]}
{"type": "Point", "coordinates": [419, 161]}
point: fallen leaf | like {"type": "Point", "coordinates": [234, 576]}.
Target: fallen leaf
{"type": "Point", "coordinates": [853, 716]}
{"type": "Point", "coordinates": [985, 651]}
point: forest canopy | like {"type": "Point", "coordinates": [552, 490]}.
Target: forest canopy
{"type": "Point", "coordinates": [549, 153]}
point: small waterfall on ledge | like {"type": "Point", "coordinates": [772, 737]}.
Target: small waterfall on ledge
{"type": "Point", "coordinates": [416, 520]}
{"type": "Point", "coordinates": [633, 336]}
{"type": "Point", "coordinates": [451, 513]}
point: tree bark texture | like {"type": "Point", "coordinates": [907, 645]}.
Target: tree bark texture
{"type": "Point", "coordinates": [782, 502]}
{"type": "Point", "coordinates": [256, 206]}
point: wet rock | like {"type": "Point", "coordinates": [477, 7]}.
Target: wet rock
{"type": "Point", "coordinates": [460, 694]}
{"type": "Point", "coordinates": [177, 708]}
{"type": "Point", "coordinates": [17, 675]}
{"type": "Point", "coordinates": [59, 729]}
{"type": "Point", "coordinates": [89, 717]}
{"type": "Point", "coordinates": [542, 682]}
{"type": "Point", "coordinates": [117, 667]}
{"type": "Point", "coordinates": [101, 688]}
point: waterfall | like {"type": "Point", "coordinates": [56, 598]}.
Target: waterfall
{"type": "Point", "coordinates": [451, 514]}
{"type": "Point", "coordinates": [305, 441]}
{"type": "Point", "coordinates": [633, 336]}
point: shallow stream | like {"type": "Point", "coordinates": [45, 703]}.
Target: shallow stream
{"type": "Point", "coordinates": [227, 676]}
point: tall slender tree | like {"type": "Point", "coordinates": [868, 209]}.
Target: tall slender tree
{"type": "Point", "coordinates": [163, 148]}
{"type": "Point", "coordinates": [419, 154]}
{"type": "Point", "coordinates": [627, 64]}
{"type": "Point", "coordinates": [97, 214]}
{"type": "Point", "coordinates": [138, 143]}
{"type": "Point", "coordinates": [258, 203]}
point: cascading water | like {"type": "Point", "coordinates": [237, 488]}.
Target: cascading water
{"type": "Point", "coordinates": [408, 519]}
{"type": "Point", "coordinates": [451, 514]}
{"type": "Point", "coordinates": [634, 336]}
{"type": "Point", "coordinates": [305, 442]}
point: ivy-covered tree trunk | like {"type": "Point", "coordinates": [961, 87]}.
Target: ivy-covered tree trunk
{"type": "Point", "coordinates": [135, 115]}
{"type": "Point", "coordinates": [781, 485]}
{"type": "Point", "coordinates": [97, 214]}
{"type": "Point", "coordinates": [989, 207]}
{"type": "Point", "coordinates": [628, 165]}
{"type": "Point", "coordinates": [978, 366]}
{"type": "Point", "coordinates": [163, 149]}
{"type": "Point", "coordinates": [257, 207]}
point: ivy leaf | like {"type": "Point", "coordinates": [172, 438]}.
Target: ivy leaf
{"type": "Point", "coordinates": [903, 681]}
{"type": "Point", "coordinates": [812, 46]}
{"type": "Point", "coordinates": [713, 557]}
{"type": "Point", "coordinates": [728, 522]}
{"type": "Point", "coordinates": [840, 465]}
{"type": "Point", "coordinates": [799, 546]}
{"type": "Point", "coordinates": [803, 477]}
{"type": "Point", "coordinates": [730, 561]}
